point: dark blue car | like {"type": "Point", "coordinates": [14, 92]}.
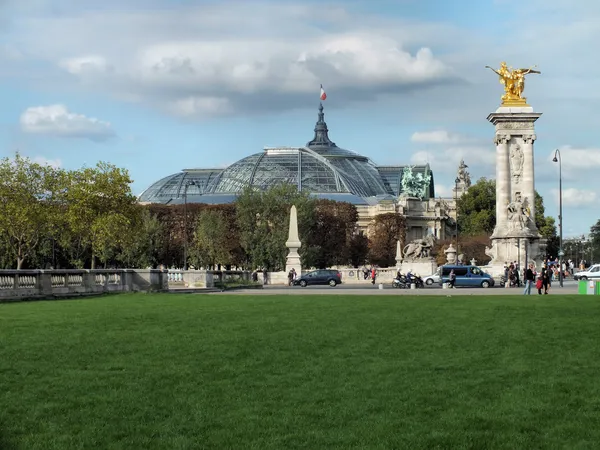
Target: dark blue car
{"type": "Point", "coordinates": [322, 276]}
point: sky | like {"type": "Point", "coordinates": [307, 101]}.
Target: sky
{"type": "Point", "coordinates": [156, 86]}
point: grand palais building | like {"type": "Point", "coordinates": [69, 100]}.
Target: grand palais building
{"type": "Point", "coordinates": [325, 171]}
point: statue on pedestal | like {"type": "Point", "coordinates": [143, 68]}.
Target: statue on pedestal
{"type": "Point", "coordinates": [463, 175]}
{"type": "Point", "coordinates": [516, 162]}
{"type": "Point", "coordinates": [414, 185]}
{"type": "Point", "coordinates": [518, 214]}
{"type": "Point", "coordinates": [419, 248]}
{"type": "Point", "coordinates": [513, 81]}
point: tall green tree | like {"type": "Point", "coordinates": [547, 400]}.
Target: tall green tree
{"type": "Point", "coordinates": [144, 241]}
{"type": "Point", "coordinates": [211, 244]}
{"type": "Point", "coordinates": [331, 234]}
{"type": "Point", "coordinates": [27, 206]}
{"type": "Point", "coordinates": [98, 206]}
{"type": "Point", "coordinates": [594, 238]}
{"type": "Point", "coordinates": [477, 209]}
{"type": "Point", "coordinates": [263, 222]}
{"type": "Point", "coordinates": [546, 225]}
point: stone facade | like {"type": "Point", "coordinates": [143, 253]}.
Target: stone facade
{"type": "Point", "coordinates": [434, 216]}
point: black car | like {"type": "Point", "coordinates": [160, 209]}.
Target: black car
{"type": "Point", "coordinates": [330, 277]}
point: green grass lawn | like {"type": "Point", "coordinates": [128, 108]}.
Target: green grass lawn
{"type": "Point", "coordinates": [315, 372]}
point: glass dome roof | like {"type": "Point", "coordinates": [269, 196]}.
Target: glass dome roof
{"type": "Point", "coordinates": [320, 168]}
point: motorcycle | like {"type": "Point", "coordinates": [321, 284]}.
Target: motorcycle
{"type": "Point", "coordinates": [400, 282]}
{"type": "Point", "coordinates": [416, 280]}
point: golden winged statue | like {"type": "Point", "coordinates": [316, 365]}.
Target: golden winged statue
{"type": "Point", "coordinates": [513, 81]}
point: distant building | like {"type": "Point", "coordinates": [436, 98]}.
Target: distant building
{"type": "Point", "coordinates": [325, 171]}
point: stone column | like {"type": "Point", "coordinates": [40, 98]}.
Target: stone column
{"type": "Point", "coordinates": [529, 176]}
{"type": "Point", "coordinates": [502, 182]}
{"type": "Point", "coordinates": [293, 244]}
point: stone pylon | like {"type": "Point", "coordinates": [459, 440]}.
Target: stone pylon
{"type": "Point", "coordinates": [515, 237]}
{"type": "Point", "coordinates": [293, 244]}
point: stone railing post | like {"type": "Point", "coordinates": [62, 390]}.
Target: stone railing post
{"type": "Point", "coordinates": [44, 282]}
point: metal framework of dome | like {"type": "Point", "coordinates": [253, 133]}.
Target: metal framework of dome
{"type": "Point", "coordinates": [320, 168]}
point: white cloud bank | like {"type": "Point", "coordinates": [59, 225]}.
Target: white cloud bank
{"type": "Point", "coordinates": [577, 198]}
{"type": "Point", "coordinates": [57, 120]}
{"type": "Point", "coordinates": [235, 56]}
{"type": "Point", "coordinates": [438, 137]}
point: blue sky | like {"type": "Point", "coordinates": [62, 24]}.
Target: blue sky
{"type": "Point", "coordinates": [156, 86]}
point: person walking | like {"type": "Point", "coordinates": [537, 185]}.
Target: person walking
{"type": "Point", "coordinates": [529, 278]}
{"type": "Point", "coordinates": [545, 279]}
{"type": "Point", "coordinates": [451, 279]}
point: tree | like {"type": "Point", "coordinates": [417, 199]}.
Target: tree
{"type": "Point", "coordinates": [546, 225]}
{"type": "Point", "coordinates": [27, 195]}
{"type": "Point", "coordinates": [477, 209]}
{"type": "Point", "coordinates": [331, 234]}
{"type": "Point", "coordinates": [144, 241]}
{"type": "Point", "coordinates": [358, 249]}
{"type": "Point", "coordinates": [263, 221]}
{"type": "Point", "coordinates": [594, 238]}
{"type": "Point", "coordinates": [98, 203]}
{"type": "Point", "coordinates": [385, 231]}
{"type": "Point", "coordinates": [108, 234]}
{"type": "Point", "coordinates": [211, 244]}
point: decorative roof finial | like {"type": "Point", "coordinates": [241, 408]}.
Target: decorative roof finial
{"type": "Point", "coordinates": [321, 138]}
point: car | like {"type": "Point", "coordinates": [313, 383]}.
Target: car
{"type": "Point", "coordinates": [467, 276]}
{"type": "Point", "coordinates": [430, 279]}
{"type": "Point", "coordinates": [321, 276]}
{"type": "Point", "coordinates": [591, 273]}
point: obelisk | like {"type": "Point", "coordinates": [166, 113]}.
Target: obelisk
{"type": "Point", "coordinates": [515, 234]}
{"type": "Point", "coordinates": [398, 254]}
{"type": "Point", "coordinates": [293, 244]}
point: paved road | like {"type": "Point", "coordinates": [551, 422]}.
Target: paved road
{"type": "Point", "coordinates": [570, 287]}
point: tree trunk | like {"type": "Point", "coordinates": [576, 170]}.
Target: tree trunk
{"type": "Point", "coordinates": [93, 265]}
{"type": "Point", "coordinates": [20, 263]}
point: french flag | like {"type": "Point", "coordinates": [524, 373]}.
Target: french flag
{"type": "Point", "coordinates": [323, 94]}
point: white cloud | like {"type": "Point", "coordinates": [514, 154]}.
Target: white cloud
{"type": "Point", "coordinates": [56, 120]}
{"type": "Point", "coordinates": [578, 158]}
{"type": "Point", "coordinates": [481, 160]}
{"type": "Point", "coordinates": [262, 54]}
{"type": "Point", "coordinates": [85, 65]}
{"type": "Point", "coordinates": [438, 137]}
{"type": "Point", "coordinates": [443, 191]}
{"type": "Point", "coordinates": [56, 163]}
{"type": "Point", "coordinates": [201, 106]}
{"type": "Point", "coordinates": [577, 198]}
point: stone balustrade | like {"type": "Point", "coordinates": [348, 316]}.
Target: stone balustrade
{"type": "Point", "coordinates": [32, 284]}
{"type": "Point", "coordinates": [206, 278]}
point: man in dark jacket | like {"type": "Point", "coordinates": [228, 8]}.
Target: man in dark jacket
{"type": "Point", "coordinates": [529, 278]}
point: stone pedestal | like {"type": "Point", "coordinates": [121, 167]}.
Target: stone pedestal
{"type": "Point", "coordinates": [293, 244]}
{"type": "Point", "coordinates": [421, 266]}
{"type": "Point", "coordinates": [515, 236]}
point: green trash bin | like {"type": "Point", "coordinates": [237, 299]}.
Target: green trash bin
{"type": "Point", "coordinates": [589, 287]}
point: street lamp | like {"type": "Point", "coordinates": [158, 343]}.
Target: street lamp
{"type": "Point", "coordinates": [456, 181]}
{"type": "Point", "coordinates": [558, 159]}
{"type": "Point", "coordinates": [185, 235]}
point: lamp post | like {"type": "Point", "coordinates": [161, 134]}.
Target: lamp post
{"type": "Point", "coordinates": [558, 159]}
{"type": "Point", "coordinates": [185, 235]}
{"type": "Point", "coordinates": [456, 181]}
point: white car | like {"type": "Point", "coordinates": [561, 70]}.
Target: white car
{"type": "Point", "coordinates": [429, 280]}
{"type": "Point", "coordinates": [591, 273]}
